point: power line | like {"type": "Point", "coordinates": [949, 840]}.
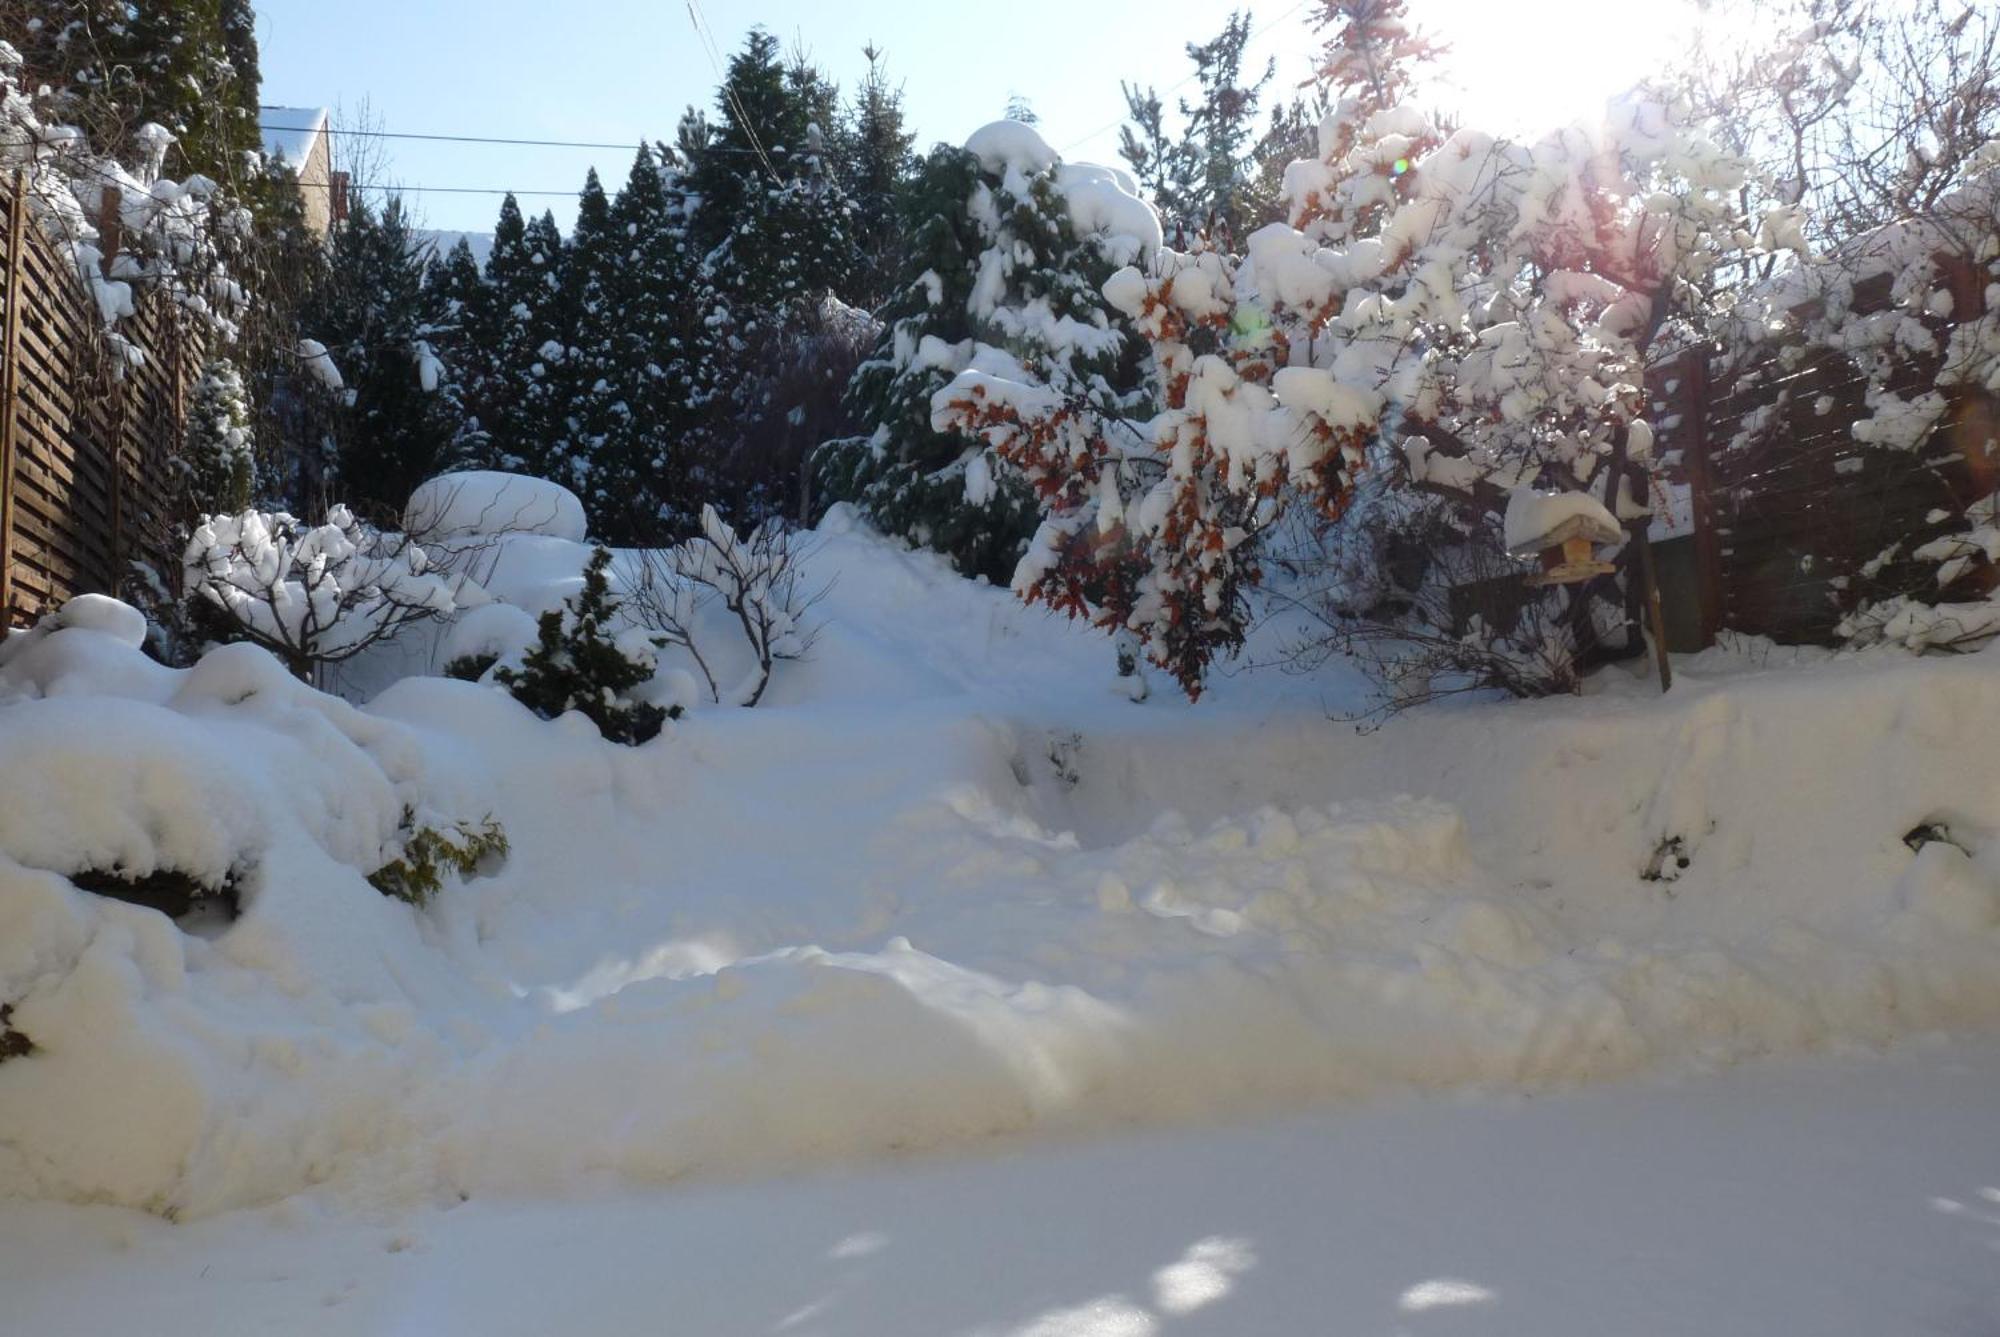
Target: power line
{"type": "Point", "coordinates": [706, 35]}
{"type": "Point", "coordinates": [460, 139]}
{"type": "Point", "coordinates": [439, 190]}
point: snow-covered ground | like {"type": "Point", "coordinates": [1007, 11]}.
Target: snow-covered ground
{"type": "Point", "coordinates": [1838, 1196]}
{"type": "Point", "coordinates": [947, 893]}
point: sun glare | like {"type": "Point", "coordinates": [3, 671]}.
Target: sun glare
{"type": "Point", "coordinates": [1523, 69]}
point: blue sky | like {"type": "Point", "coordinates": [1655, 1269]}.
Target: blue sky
{"type": "Point", "coordinates": [617, 70]}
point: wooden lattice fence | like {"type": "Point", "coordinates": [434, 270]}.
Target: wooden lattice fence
{"type": "Point", "coordinates": [1788, 507]}
{"type": "Point", "coordinates": [87, 448]}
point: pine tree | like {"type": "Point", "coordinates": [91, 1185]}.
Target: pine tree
{"type": "Point", "coordinates": [996, 276]}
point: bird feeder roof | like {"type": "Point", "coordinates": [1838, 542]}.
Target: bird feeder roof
{"type": "Point", "coordinates": [1540, 520]}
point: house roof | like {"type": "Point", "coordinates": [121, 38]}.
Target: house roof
{"type": "Point", "coordinates": [291, 133]}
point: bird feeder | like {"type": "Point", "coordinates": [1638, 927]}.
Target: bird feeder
{"type": "Point", "coordinates": [1565, 531]}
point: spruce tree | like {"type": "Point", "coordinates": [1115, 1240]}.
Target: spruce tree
{"type": "Point", "coordinates": [1204, 182]}
{"type": "Point", "coordinates": [879, 167]}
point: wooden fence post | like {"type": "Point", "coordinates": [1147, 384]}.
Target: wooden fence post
{"type": "Point", "coordinates": [10, 389]}
{"type": "Point", "coordinates": [1694, 392]}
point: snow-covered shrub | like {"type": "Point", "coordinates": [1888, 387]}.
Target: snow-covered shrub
{"type": "Point", "coordinates": [314, 595]}
{"type": "Point", "coordinates": [579, 663]}
{"type": "Point", "coordinates": [1493, 331]}
{"type": "Point", "coordinates": [432, 852]}
{"type": "Point", "coordinates": [206, 789]}
{"type": "Point", "coordinates": [756, 580]}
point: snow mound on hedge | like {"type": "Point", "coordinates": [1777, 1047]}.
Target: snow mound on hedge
{"type": "Point", "coordinates": [481, 503]}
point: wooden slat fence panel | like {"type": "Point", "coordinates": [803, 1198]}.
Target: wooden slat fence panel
{"type": "Point", "coordinates": [87, 448]}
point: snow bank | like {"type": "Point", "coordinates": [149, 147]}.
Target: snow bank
{"type": "Point", "coordinates": [933, 893]}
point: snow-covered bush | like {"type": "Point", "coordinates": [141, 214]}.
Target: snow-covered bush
{"type": "Point", "coordinates": [206, 789]}
{"type": "Point", "coordinates": [756, 580]}
{"type": "Point", "coordinates": [580, 663]}
{"type": "Point", "coordinates": [314, 595]}
{"type": "Point", "coordinates": [432, 852]}
{"type": "Point", "coordinates": [1902, 327]}
{"type": "Point", "coordinates": [1492, 332]}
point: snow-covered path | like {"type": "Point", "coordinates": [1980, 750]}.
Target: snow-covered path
{"type": "Point", "coordinates": [1856, 1194]}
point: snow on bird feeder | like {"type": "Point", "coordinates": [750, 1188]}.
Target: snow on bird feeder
{"type": "Point", "coordinates": [1564, 529]}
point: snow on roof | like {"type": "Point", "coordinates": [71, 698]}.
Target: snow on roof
{"type": "Point", "coordinates": [291, 133]}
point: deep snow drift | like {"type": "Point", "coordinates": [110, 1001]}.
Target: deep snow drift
{"type": "Point", "coordinates": [944, 886]}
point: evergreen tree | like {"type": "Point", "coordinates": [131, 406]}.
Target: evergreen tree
{"type": "Point", "coordinates": [517, 335]}
{"type": "Point", "coordinates": [395, 429]}
{"type": "Point", "coordinates": [760, 126]}
{"type": "Point", "coordinates": [219, 454]}
{"type": "Point", "coordinates": [879, 168]}
{"type": "Point", "coordinates": [996, 277]}
{"type": "Point", "coordinates": [587, 377]}
{"type": "Point", "coordinates": [579, 664]}
{"type": "Point", "coordinates": [452, 296]}
{"type": "Point", "coordinates": [793, 243]}
{"type": "Point", "coordinates": [112, 66]}
{"type": "Point", "coordinates": [1206, 181]}
{"type": "Point", "coordinates": [659, 364]}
